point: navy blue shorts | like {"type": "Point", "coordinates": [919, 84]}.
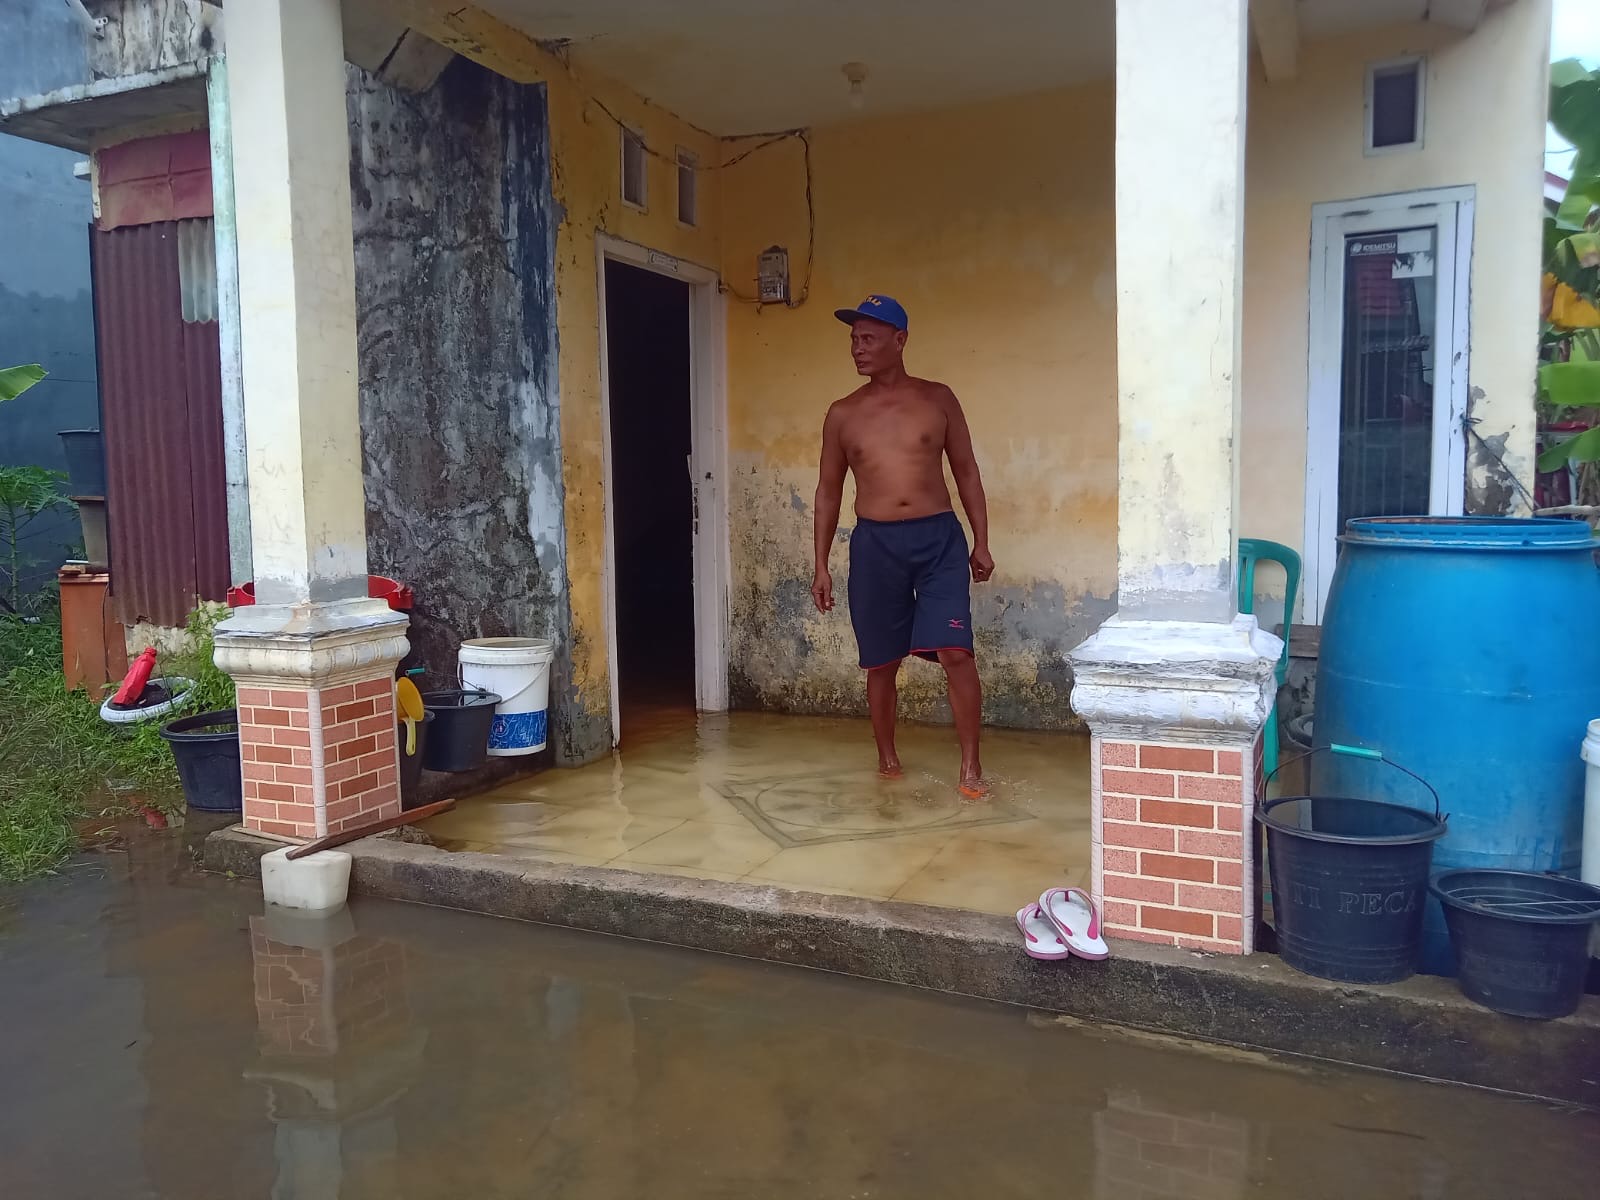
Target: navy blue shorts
{"type": "Point", "coordinates": [910, 589]}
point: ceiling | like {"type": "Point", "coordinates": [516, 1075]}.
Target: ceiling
{"type": "Point", "coordinates": [744, 66]}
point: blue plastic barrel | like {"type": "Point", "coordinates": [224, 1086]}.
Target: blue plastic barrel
{"type": "Point", "coordinates": [1465, 647]}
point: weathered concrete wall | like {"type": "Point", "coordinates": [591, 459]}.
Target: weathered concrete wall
{"type": "Point", "coordinates": [456, 326]}
{"type": "Point", "coordinates": [149, 35]}
{"type": "Point", "coordinates": [585, 167]}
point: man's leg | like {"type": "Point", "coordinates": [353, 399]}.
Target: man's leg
{"type": "Point", "coordinates": [881, 603]}
{"type": "Point", "coordinates": [966, 705]}
{"type": "Point", "coordinates": [883, 698]}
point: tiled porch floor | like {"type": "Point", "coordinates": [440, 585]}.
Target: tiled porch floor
{"type": "Point", "coordinates": [796, 802]}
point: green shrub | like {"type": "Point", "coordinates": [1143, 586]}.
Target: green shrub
{"type": "Point", "coordinates": [61, 764]}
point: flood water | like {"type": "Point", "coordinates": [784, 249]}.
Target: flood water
{"type": "Point", "coordinates": [164, 1039]}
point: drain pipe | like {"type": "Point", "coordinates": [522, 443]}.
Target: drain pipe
{"type": "Point", "coordinates": [1589, 869]}
{"type": "Point", "coordinates": [92, 25]}
{"type": "Point", "coordinates": [319, 766]}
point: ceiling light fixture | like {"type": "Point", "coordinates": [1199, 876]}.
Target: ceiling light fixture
{"type": "Point", "coordinates": [856, 73]}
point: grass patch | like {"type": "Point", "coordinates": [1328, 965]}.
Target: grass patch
{"type": "Point", "coordinates": [60, 763]}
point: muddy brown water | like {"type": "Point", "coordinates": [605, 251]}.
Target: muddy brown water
{"type": "Point", "coordinates": [162, 1038]}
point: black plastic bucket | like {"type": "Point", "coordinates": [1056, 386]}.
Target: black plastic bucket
{"type": "Point", "coordinates": [411, 764]}
{"type": "Point", "coordinates": [86, 462]}
{"type": "Point", "coordinates": [1350, 881]}
{"type": "Point", "coordinates": [1521, 939]}
{"type": "Point", "coordinates": [206, 748]}
{"type": "Point", "coordinates": [459, 737]}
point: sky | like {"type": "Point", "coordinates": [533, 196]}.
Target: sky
{"type": "Point", "coordinates": [1574, 33]}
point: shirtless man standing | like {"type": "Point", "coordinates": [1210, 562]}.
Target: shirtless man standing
{"type": "Point", "coordinates": [909, 563]}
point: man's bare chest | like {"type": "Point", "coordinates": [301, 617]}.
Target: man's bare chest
{"type": "Point", "coordinates": [900, 431]}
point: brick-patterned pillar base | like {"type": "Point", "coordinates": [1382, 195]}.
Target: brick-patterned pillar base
{"type": "Point", "coordinates": [1172, 857]}
{"type": "Point", "coordinates": [316, 719]}
{"type": "Point", "coordinates": [1176, 710]}
{"type": "Point", "coordinates": [280, 730]}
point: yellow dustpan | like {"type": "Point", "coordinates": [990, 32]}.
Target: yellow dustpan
{"type": "Point", "coordinates": [408, 702]}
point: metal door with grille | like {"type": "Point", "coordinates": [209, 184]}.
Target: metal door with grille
{"type": "Point", "coordinates": [1388, 367]}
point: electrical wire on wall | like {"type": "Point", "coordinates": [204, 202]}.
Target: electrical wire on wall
{"type": "Point", "coordinates": [1469, 424]}
{"type": "Point", "coordinates": [763, 141]}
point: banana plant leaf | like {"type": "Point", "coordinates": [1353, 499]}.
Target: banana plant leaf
{"type": "Point", "coordinates": [1575, 114]}
{"type": "Point", "coordinates": [1583, 448]}
{"type": "Point", "coordinates": [1571, 384]}
{"type": "Point", "coordinates": [16, 380]}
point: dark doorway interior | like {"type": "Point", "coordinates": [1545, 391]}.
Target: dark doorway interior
{"type": "Point", "coordinates": [647, 337]}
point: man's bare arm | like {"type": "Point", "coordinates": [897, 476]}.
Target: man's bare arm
{"type": "Point", "coordinates": [969, 484]}
{"type": "Point", "coordinates": [829, 498]}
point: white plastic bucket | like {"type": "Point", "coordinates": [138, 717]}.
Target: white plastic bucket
{"type": "Point", "coordinates": [517, 669]}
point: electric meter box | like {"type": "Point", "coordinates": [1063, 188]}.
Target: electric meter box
{"type": "Point", "coordinates": [772, 276]}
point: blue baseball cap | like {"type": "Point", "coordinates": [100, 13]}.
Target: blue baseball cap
{"type": "Point", "coordinates": [876, 308]}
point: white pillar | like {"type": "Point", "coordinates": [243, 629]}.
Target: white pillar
{"type": "Point", "coordinates": [314, 658]}
{"type": "Point", "coordinates": [1175, 687]}
{"type": "Point", "coordinates": [1180, 234]}
{"type": "Point", "coordinates": [297, 300]}
{"type": "Point", "coordinates": [235, 458]}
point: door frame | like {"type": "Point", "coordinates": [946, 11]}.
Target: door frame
{"type": "Point", "coordinates": [1450, 211]}
{"type": "Point", "coordinates": [708, 467]}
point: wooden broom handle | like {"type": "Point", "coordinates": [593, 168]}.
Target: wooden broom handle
{"type": "Point", "coordinates": [349, 835]}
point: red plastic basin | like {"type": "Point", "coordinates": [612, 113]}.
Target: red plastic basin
{"type": "Point", "coordinates": [379, 587]}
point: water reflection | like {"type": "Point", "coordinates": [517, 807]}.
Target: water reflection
{"type": "Point", "coordinates": [180, 1043]}
{"type": "Point", "coordinates": [338, 1049]}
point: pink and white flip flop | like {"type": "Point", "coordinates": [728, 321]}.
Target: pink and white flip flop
{"type": "Point", "coordinates": [1073, 915]}
{"type": "Point", "coordinates": [1039, 937]}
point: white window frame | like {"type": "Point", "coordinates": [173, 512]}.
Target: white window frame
{"type": "Point", "coordinates": [1369, 110]}
{"type": "Point", "coordinates": [1450, 212]}
{"type": "Point", "coordinates": [642, 204]}
{"type": "Point", "coordinates": [687, 160]}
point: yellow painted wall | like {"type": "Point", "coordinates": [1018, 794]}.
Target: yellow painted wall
{"type": "Point", "coordinates": [586, 157]}
{"type": "Point", "coordinates": [1485, 102]}
{"type": "Point", "coordinates": [993, 225]}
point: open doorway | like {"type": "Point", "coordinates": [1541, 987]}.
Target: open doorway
{"type": "Point", "coordinates": [651, 490]}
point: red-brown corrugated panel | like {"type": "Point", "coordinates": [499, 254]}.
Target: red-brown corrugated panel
{"type": "Point", "coordinates": [202, 355]}
{"type": "Point", "coordinates": [161, 417]}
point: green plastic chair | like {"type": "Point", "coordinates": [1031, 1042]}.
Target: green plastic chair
{"type": "Point", "coordinates": [1251, 552]}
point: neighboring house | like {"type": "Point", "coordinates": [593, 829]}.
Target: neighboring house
{"type": "Point", "coordinates": [46, 314]}
{"type": "Point", "coordinates": [1196, 270]}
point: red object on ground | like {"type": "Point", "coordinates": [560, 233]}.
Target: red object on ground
{"type": "Point", "coordinates": [138, 675]}
{"type": "Point", "coordinates": [379, 587]}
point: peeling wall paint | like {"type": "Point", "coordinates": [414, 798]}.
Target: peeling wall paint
{"type": "Point", "coordinates": [786, 657]}
{"type": "Point", "coordinates": [1004, 261]}
{"type": "Point", "coordinates": [583, 170]}
{"type": "Point", "coordinates": [456, 324]}
{"type": "Point", "coordinates": [586, 158]}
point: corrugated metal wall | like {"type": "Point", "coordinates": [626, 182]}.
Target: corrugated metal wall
{"type": "Point", "coordinates": [161, 416]}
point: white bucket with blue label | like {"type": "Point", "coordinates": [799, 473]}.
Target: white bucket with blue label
{"type": "Point", "coordinates": [518, 670]}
